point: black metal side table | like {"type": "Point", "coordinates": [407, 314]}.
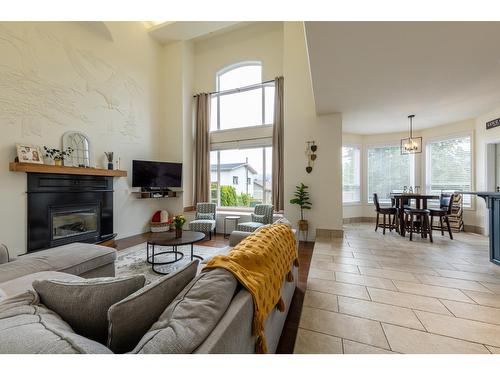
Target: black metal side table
{"type": "Point", "coordinates": [235, 218]}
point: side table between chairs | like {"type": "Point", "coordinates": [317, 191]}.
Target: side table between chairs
{"type": "Point", "coordinates": [233, 217]}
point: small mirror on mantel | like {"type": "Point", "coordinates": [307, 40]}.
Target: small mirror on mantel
{"type": "Point", "coordinates": [80, 143]}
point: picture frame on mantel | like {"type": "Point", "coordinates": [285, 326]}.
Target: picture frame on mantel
{"type": "Point", "coordinates": [29, 154]}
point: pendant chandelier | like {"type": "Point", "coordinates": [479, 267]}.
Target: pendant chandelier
{"type": "Point", "coordinates": [411, 145]}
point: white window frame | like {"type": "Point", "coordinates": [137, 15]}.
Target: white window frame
{"type": "Point", "coordinates": [425, 157]}
{"type": "Point", "coordinates": [361, 153]}
{"type": "Point", "coordinates": [413, 169]}
{"type": "Point", "coordinates": [246, 137]}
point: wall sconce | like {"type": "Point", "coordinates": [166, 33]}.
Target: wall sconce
{"type": "Point", "coordinates": [311, 155]}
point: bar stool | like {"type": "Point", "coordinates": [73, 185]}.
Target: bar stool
{"type": "Point", "coordinates": [384, 211]}
{"type": "Point", "coordinates": [424, 227]}
{"type": "Point", "coordinates": [444, 210]}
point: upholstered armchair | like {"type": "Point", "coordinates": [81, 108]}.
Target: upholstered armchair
{"type": "Point", "coordinates": [205, 219]}
{"type": "Point", "coordinates": [262, 215]}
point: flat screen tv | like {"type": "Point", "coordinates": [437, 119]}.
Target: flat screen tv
{"type": "Point", "coordinates": [156, 174]}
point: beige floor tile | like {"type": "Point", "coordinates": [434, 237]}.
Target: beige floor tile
{"type": "Point", "coordinates": [493, 349]}
{"type": "Point", "coordinates": [431, 291]}
{"type": "Point", "coordinates": [408, 300]}
{"type": "Point", "coordinates": [451, 283]}
{"type": "Point", "coordinates": [321, 274]}
{"type": "Point", "coordinates": [321, 300]}
{"type": "Point", "coordinates": [480, 268]}
{"type": "Point", "coordinates": [387, 274]}
{"type": "Point", "coordinates": [469, 276]}
{"type": "Point", "coordinates": [335, 267]}
{"type": "Point", "coordinates": [379, 311]}
{"type": "Point", "coordinates": [334, 287]}
{"type": "Point", "coordinates": [344, 326]}
{"type": "Point", "coordinates": [495, 288]}
{"type": "Point", "coordinates": [485, 299]}
{"type": "Point", "coordinates": [353, 347]}
{"type": "Point", "coordinates": [408, 268]}
{"type": "Point", "coordinates": [405, 340]}
{"type": "Point", "coordinates": [473, 311]}
{"type": "Point", "coordinates": [309, 342]}
{"type": "Point", "coordinates": [330, 252]}
{"type": "Point", "coordinates": [356, 261]}
{"type": "Point", "coordinates": [464, 329]}
{"type": "Point", "coordinates": [322, 258]}
{"type": "Point", "coordinates": [375, 282]}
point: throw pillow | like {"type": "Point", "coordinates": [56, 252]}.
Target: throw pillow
{"type": "Point", "coordinates": [259, 218]}
{"type": "Point", "coordinates": [27, 327]}
{"type": "Point", "coordinates": [202, 216]}
{"type": "Point", "coordinates": [84, 304]}
{"type": "Point", "coordinates": [192, 316]}
{"type": "Point", "coordinates": [130, 318]}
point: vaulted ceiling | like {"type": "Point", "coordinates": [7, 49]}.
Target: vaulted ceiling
{"type": "Point", "coordinates": [377, 73]}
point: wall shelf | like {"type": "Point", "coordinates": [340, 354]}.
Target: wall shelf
{"type": "Point", "coordinates": [162, 194]}
{"type": "Point", "coordinates": [45, 168]}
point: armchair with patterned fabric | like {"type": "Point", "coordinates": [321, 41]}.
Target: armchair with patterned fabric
{"type": "Point", "coordinates": [205, 219]}
{"type": "Point", "coordinates": [262, 215]}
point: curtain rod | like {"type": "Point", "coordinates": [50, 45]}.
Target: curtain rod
{"type": "Point", "coordinates": [238, 89]}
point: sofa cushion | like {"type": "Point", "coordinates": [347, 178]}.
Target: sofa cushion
{"type": "Point", "coordinates": [130, 318]}
{"type": "Point", "coordinates": [84, 304]}
{"type": "Point", "coordinates": [24, 283]}
{"type": "Point", "coordinates": [3, 295]}
{"type": "Point", "coordinates": [190, 318]}
{"type": "Point", "coordinates": [76, 258]}
{"type": "Point", "coordinates": [26, 327]}
{"type": "Point", "coordinates": [4, 254]}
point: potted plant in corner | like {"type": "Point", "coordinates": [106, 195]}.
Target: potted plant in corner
{"type": "Point", "coordinates": [57, 155]}
{"type": "Point", "coordinates": [302, 200]}
{"type": "Point", "coordinates": [179, 221]}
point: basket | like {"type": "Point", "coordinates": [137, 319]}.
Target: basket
{"type": "Point", "coordinates": [159, 227]}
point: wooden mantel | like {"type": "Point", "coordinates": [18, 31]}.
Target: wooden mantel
{"type": "Point", "coordinates": [44, 168]}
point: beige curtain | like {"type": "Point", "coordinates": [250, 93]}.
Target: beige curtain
{"type": "Point", "coordinates": [202, 152]}
{"type": "Point", "coordinates": [278, 147]}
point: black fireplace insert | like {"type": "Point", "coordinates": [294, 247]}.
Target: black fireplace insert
{"type": "Point", "coordinates": [68, 208]}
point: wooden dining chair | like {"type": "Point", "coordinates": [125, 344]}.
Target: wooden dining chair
{"type": "Point", "coordinates": [443, 212]}
{"type": "Point", "coordinates": [385, 211]}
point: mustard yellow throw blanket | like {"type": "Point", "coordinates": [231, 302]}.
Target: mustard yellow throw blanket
{"type": "Point", "coordinates": [261, 262]}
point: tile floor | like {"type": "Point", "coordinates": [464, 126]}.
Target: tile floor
{"type": "Point", "coordinates": [370, 293]}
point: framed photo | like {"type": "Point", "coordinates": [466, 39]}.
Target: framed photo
{"type": "Point", "coordinates": [29, 154]}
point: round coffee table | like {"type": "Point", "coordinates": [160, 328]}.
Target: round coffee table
{"type": "Point", "coordinates": [168, 239]}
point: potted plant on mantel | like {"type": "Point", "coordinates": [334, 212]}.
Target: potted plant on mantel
{"type": "Point", "coordinates": [302, 200]}
{"type": "Point", "coordinates": [57, 155]}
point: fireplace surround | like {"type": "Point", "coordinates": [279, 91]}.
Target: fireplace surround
{"type": "Point", "coordinates": [65, 208]}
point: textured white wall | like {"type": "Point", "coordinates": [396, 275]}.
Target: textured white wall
{"type": "Point", "coordinates": [99, 78]}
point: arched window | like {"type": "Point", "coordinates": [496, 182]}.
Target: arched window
{"type": "Point", "coordinates": [241, 100]}
{"type": "Point", "coordinates": [241, 161]}
{"type": "Point", "coordinates": [239, 75]}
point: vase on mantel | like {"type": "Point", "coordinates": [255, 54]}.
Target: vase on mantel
{"type": "Point", "coordinates": [58, 162]}
{"type": "Point", "coordinates": [178, 232]}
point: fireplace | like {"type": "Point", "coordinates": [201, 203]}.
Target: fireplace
{"type": "Point", "coordinates": [68, 208]}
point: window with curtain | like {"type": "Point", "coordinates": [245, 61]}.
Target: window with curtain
{"type": "Point", "coordinates": [388, 170]}
{"type": "Point", "coordinates": [449, 166]}
{"type": "Point", "coordinates": [351, 173]}
{"type": "Point", "coordinates": [242, 114]}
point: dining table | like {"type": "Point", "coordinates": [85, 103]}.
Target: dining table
{"type": "Point", "coordinates": [403, 199]}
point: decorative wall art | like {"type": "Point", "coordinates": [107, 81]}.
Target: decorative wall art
{"type": "Point", "coordinates": [80, 144]}
{"type": "Point", "coordinates": [311, 155]}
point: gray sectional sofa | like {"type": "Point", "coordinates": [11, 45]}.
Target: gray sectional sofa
{"type": "Point", "coordinates": [230, 333]}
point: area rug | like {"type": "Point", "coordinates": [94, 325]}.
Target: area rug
{"type": "Point", "coordinates": [132, 261]}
